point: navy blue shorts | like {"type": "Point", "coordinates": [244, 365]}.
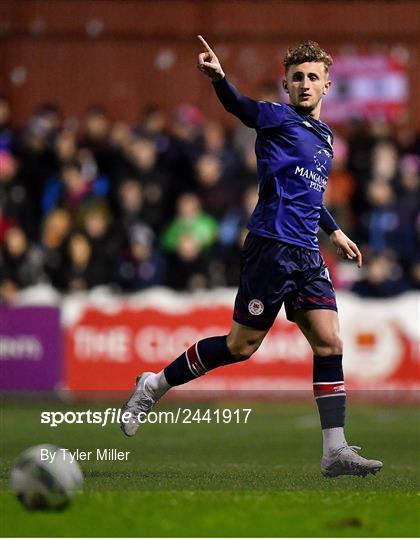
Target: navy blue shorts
{"type": "Point", "coordinates": [273, 273]}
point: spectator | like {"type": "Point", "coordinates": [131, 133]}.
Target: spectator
{"type": "Point", "coordinates": [154, 126]}
{"type": "Point", "coordinates": [184, 148]}
{"type": "Point", "coordinates": [56, 229]}
{"type": "Point", "coordinates": [7, 135]}
{"type": "Point", "coordinates": [408, 209]}
{"type": "Point", "coordinates": [214, 142]}
{"type": "Point", "coordinates": [413, 281]}
{"type": "Point", "coordinates": [360, 143]}
{"type": "Point", "coordinates": [20, 264]}
{"type": "Point", "coordinates": [380, 223]}
{"type": "Point", "coordinates": [385, 161]}
{"type": "Point", "coordinates": [96, 138]}
{"type": "Point", "coordinates": [130, 204]}
{"type": "Point", "coordinates": [383, 279]}
{"type": "Point", "coordinates": [37, 159]}
{"type": "Point", "coordinates": [72, 188]}
{"type": "Point", "coordinates": [142, 265]}
{"type": "Point", "coordinates": [6, 223]}
{"type": "Point", "coordinates": [341, 187]}
{"type": "Point", "coordinates": [247, 174]}
{"type": "Point", "coordinates": [234, 220]}
{"type": "Point", "coordinates": [142, 164]}
{"type": "Point", "coordinates": [81, 273]}
{"type": "Point", "coordinates": [120, 139]}
{"type": "Point", "coordinates": [36, 153]}
{"type": "Point", "coordinates": [187, 265]}
{"type": "Point", "coordinates": [407, 139]}
{"type": "Point", "coordinates": [120, 136]}
{"type": "Point", "coordinates": [65, 146]}
{"type": "Point", "coordinates": [190, 220]}
{"type": "Point", "coordinates": [105, 243]}
{"type": "Point", "coordinates": [17, 206]}
{"type": "Point", "coordinates": [50, 119]}
{"type": "Point", "coordinates": [214, 191]}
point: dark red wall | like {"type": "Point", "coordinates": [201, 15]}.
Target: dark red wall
{"type": "Point", "coordinates": [117, 68]}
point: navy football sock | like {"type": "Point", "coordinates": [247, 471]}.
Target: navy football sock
{"type": "Point", "coordinates": [201, 357]}
{"type": "Point", "coordinates": [329, 390]}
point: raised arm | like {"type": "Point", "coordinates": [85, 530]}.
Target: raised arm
{"type": "Point", "coordinates": [244, 108]}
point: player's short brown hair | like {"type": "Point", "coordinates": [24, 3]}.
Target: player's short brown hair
{"type": "Point", "coordinates": [308, 51]}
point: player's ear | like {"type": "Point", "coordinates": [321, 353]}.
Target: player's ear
{"type": "Point", "coordinates": [327, 87]}
{"type": "Point", "coordinates": [284, 82]}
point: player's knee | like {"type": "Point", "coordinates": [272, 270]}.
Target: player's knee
{"type": "Point", "coordinates": [328, 344]}
{"type": "Point", "coordinates": [242, 350]}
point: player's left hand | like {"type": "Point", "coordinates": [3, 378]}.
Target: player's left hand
{"type": "Point", "coordinates": [346, 248]}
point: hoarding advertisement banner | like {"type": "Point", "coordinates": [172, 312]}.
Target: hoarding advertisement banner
{"type": "Point", "coordinates": [30, 352]}
{"type": "Point", "coordinates": [106, 349]}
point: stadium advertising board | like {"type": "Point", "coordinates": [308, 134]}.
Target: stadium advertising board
{"type": "Point", "coordinates": [30, 355]}
{"type": "Point", "coordinates": [106, 348]}
{"type": "Point", "coordinates": [367, 85]}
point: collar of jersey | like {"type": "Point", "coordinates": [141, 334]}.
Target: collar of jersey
{"type": "Point", "coordinates": [312, 124]}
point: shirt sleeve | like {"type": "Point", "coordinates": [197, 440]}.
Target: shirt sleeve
{"type": "Point", "coordinates": [326, 221]}
{"type": "Point", "coordinates": [254, 114]}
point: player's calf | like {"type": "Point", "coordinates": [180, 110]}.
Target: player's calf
{"type": "Point", "coordinates": [339, 458]}
{"type": "Point", "coordinates": [201, 357]}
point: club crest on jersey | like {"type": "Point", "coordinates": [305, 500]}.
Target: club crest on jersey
{"type": "Point", "coordinates": [255, 307]}
{"type": "Point", "coordinates": [321, 160]}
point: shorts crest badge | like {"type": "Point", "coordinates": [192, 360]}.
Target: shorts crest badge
{"type": "Point", "coordinates": [255, 307]}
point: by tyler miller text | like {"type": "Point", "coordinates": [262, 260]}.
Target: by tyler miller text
{"type": "Point", "coordinates": [99, 454]}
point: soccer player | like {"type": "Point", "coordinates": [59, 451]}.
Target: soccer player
{"type": "Point", "coordinates": [281, 262]}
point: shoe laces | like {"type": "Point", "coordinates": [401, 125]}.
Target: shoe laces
{"type": "Point", "coordinates": [353, 448]}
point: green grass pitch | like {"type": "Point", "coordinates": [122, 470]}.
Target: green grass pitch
{"type": "Point", "coordinates": [256, 479]}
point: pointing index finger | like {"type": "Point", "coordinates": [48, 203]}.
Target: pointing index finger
{"type": "Point", "coordinates": [205, 44]}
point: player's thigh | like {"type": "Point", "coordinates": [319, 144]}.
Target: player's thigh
{"type": "Point", "coordinates": [265, 281]}
{"type": "Point", "coordinates": [321, 328]}
{"type": "Point", "coordinates": [243, 341]}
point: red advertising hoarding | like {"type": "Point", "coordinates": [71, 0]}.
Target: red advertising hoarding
{"type": "Point", "coordinates": [372, 86]}
{"type": "Point", "coordinates": [107, 348]}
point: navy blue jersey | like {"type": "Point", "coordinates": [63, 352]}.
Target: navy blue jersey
{"type": "Point", "coordinates": [294, 156]}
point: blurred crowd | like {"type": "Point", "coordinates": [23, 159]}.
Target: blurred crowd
{"type": "Point", "coordinates": [94, 201]}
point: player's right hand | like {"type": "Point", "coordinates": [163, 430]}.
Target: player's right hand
{"type": "Point", "coordinates": [208, 62]}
